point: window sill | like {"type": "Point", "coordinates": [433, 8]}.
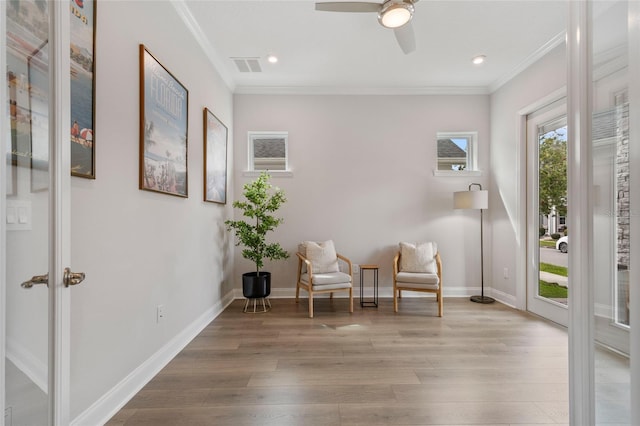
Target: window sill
{"type": "Point", "coordinates": [272, 173]}
{"type": "Point", "coordinates": [462, 173]}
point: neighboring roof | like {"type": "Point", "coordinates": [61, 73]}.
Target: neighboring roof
{"type": "Point", "coordinates": [268, 148]}
{"type": "Point", "coordinates": [448, 149]}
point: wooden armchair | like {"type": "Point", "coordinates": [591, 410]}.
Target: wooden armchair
{"type": "Point", "coordinates": [319, 272]}
{"type": "Point", "coordinates": [421, 271]}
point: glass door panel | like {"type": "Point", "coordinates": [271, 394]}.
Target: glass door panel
{"type": "Point", "coordinates": [27, 202]}
{"type": "Point", "coordinates": [553, 281]}
{"type": "Point", "coordinates": [547, 247]}
{"type": "Point", "coordinates": [611, 211]}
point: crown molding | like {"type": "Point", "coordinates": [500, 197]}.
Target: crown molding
{"type": "Point", "coordinates": [530, 60]}
{"type": "Point", "coordinates": [337, 90]}
{"type": "Point", "coordinates": [210, 52]}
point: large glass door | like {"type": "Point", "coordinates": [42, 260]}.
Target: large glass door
{"type": "Point", "coordinates": [27, 214]}
{"type": "Point", "coordinates": [34, 195]}
{"type": "Point", "coordinates": [547, 237]}
{"type": "Point", "coordinates": [612, 210]}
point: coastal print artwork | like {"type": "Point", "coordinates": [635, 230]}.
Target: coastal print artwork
{"type": "Point", "coordinates": [163, 128]}
{"type": "Point", "coordinates": [83, 19]}
{"type": "Point", "coordinates": [215, 159]}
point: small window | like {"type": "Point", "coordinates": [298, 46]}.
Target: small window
{"type": "Point", "coordinates": [456, 151]}
{"type": "Point", "coordinates": [268, 151]}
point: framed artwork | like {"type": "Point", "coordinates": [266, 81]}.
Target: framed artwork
{"type": "Point", "coordinates": [27, 72]}
{"type": "Point", "coordinates": [164, 105]}
{"type": "Point", "coordinates": [83, 30]}
{"type": "Point", "coordinates": [215, 159]}
{"type": "Point", "coordinates": [12, 166]}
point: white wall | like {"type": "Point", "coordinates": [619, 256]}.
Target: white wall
{"type": "Point", "coordinates": [141, 249]}
{"type": "Point", "coordinates": [363, 176]}
{"type": "Point", "coordinates": [507, 157]}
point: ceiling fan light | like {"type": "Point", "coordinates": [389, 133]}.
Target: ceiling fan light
{"type": "Point", "coordinates": [395, 15]}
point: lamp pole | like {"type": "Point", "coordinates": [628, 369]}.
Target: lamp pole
{"type": "Point", "coordinates": [482, 298]}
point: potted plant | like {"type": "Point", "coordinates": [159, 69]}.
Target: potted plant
{"type": "Point", "coordinates": [262, 200]}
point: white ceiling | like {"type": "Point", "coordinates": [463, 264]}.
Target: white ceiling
{"type": "Point", "coordinates": [328, 52]}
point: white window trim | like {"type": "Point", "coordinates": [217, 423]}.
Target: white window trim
{"type": "Point", "coordinates": [472, 154]}
{"type": "Point", "coordinates": [272, 173]}
{"type": "Point", "coordinates": [460, 173]}
{"type": "Point", "coordinates": [250, 159]}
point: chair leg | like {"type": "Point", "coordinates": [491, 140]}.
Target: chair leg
{"type": "Point", "coordinates": [297, 291]}
{"type": "Point", "coordinates": [440, 302]}
{"type": "Point", "coordinates": [310, 304]}
{"type": "Point", "coordinates": [395, 298]}
{"type": "Point", "coordinates": [331, 296]}
{"type": "Point", "coordinates": [351, 300]}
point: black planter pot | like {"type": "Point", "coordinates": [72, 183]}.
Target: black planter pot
{"type": "Point", "coordinates": [256, 287]}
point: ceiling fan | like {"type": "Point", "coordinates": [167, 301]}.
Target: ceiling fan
{"type": "Point", "coordinates": [394, 14]}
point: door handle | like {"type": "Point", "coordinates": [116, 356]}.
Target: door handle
{"type": "Point", "coordinates": [72, 278]}
{"type": "Point", "coordinates": [36, 279]}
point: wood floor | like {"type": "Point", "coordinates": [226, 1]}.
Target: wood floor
{"type": "Point", "coordinates": [479, 364]}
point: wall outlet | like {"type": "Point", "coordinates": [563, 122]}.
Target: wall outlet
{"type": "Point", "coordinates": [160, 313]}
{"type": "Point", "coordinates": [505, 273]}
{"type": "Point", "coordinates": [355, 268]}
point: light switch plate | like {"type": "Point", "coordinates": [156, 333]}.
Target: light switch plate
{"type": "Point", "coordinates": [19, 215]}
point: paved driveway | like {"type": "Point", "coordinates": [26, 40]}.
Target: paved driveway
{"type": "Point", "coordinates": [554, 257]}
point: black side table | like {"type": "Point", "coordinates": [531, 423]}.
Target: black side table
{"type": "Point", "coordinates": [369, 303]}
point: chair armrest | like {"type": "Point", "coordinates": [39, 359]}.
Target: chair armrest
{"type": "Point", "coordinates": [396, 264]}
{"type": "Point", "coordinates": [307, 262]}
{"type": "Point", "coordinates": [347, 261]}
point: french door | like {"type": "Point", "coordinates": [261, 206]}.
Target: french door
{"type": "Point", "coordinates": [547, 258]}
{"type": "Point", "coordinates": [34, 200]}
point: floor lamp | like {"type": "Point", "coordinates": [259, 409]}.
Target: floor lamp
{"type": "Point", "coordinates": [475, 200]}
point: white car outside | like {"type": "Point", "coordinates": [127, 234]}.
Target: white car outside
{"type": "Point", "coordinates": [563, 244]}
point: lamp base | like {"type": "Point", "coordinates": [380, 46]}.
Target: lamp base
{"type": "Point", "coordinates": [482, 299]}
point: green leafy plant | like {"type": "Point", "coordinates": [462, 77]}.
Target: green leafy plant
{"type": "Point", "coordinates": [262, 200]}
{"type": "Point", "coordinates": [552, 184]}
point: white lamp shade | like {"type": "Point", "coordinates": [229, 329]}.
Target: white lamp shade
{"type": "Point", "coordinates": [471, 199]}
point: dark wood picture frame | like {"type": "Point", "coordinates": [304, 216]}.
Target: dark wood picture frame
{"type": "Point", "coordinates": [83, 88]}
{"type": "Point", "coordinates": [164, 104]}
{"type": "Point", "coordinates": [215, 159]}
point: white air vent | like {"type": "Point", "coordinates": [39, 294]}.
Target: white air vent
{"type": "Point", "coordinates": [247, 64]}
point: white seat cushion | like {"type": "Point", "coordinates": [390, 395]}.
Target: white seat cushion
{"type": "Point", "coordinates": [328, 281]}
{"type": "Point", "coordinates": [416, 286]}
{"type": "Point", "coordinates": [418, 278]}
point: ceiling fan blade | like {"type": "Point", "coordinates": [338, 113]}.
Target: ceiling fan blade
{"type": "Point", "coordinates": [351, 6]}
{"type": "Point", "coordinates": [406, 38]}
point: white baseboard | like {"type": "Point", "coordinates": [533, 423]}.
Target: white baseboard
{"type": "Point", "coordinates": [28, 364]}
{"type": "Point", "coordinates": [111, 402]}
{"type": "Point", "coordinates": [504, 298]}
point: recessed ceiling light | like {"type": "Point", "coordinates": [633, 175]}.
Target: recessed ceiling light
{"type": "Point", "coordinates": [272, 59]}
{"type": "Point", "coordinates": [477, 60]}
